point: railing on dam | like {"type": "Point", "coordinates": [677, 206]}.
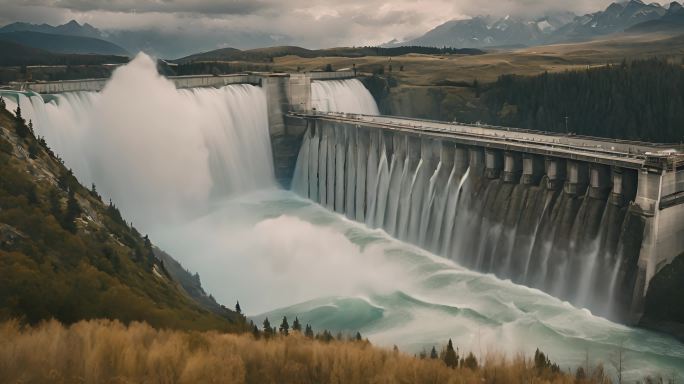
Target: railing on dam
{"type": "Point", "coordinates": [190, 81]}
{"type": "Point", "coordinates": [623, 153]}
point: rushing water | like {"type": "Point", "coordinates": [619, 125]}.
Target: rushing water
{"type": "Point", "coordinates": [342, 96]}
{"type": "Point", "coordinates": [185, 166]}
{"type": "Point", "coordinates": [422, 191]}
{"type": "Point", "coordinates": [158, 152]}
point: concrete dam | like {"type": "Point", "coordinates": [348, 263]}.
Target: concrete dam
{"type": "Point", "coordinates": [588, 220]}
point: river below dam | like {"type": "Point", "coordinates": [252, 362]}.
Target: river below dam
{"type": "Point", "coordinates": [274, 249]}
{"type": "Point", "coordinates": [193, 169]}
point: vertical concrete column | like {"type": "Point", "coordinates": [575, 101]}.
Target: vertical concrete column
{"type": "Point", "coordinates": [577, 178]}
{"type": "Point", "coordinates": [461, 159]}
{"type": "Point", "coordinates": [399, 141]}
{"type": "Point", "coordinates": [600, 181]}
{"type": "Point", "coordinates": [299, 92]}
{"type": "Point", "coordinates": [446, 154]}
{"type": "Point", "coordinates": [648, 191]}
{"type": "Point", "coordinates": [533, 169]}
{"type": "Point", "coordinates": [276, 102]}
{"type": "Point", "coordinates": [493, 163]}
{"type": "Point", "coordinates": [413, 150]}
{"type": "Point", "coordinates": [513, 167]}
{"type": "Point", "coordinates": [555, 172]}
{"type": "Point", "coordinates": [476, 160]}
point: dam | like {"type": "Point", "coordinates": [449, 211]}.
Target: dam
{"type": "Point", "coordinates": [585, 219]}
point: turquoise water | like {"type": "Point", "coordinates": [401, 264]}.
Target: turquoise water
{"type": "Point", "coordinates": [275, 250]}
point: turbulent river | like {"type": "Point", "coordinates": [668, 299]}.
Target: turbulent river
{"type": "Point", "coordinates": [193, 170]}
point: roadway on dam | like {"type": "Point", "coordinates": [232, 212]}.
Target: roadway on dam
{"type": "Point", "coordinates": [622, 153]}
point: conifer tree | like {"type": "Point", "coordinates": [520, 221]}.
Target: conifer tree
{"type": "Point", "coordinates": [255, 332]}
{"type": "Point", "coordinates": [267, 328]}
{"type": "Point", "coordinates": [433, 353]}
{"type": "Point", "coordinates": [237, 308]}
{"type": "Point", "coordinates": [470, 361]}
{"type": "Point", "coordinates": [308, 332]}
{"type": "Point", "coordinates": [450, 357]}
{"type": "Point", "coordinates": [284, 327]}
{"type": "Point", "coordinates": [72, 212]}
{"type": "Point", "coordinates": [358, 336]}
{"type": "Point", "coordinates": [296, 325]}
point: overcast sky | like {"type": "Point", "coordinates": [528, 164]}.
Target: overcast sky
{"type": "Point", "coordinates": [309, 23]}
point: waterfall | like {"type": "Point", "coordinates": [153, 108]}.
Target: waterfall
{"type": "Point", "coordinates": [137, 137]}
{"type": "Point", "coordinates": [342, 96]}
{"type": "Point", "coordinates": [567, 243]}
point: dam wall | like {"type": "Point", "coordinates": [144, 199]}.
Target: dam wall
{"type": "Point", "coordinates": [585, 219]}
{"type": "Point", "coordinates": [285, 93]}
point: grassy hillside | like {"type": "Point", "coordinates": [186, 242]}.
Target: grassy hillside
{"type": "Point", "coordinates": [101, 351]}
{"type": "Point", "coordinates": [270, 53]}
{"type": "Point", "coordinates": [65, 254]}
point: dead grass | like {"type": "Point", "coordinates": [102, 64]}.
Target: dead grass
{"type": "Point", "coordinates": [103, 351]}
{"type": "Point", "coordinates": [426, 70]}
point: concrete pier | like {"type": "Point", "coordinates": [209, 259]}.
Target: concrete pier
{"type": "Point", "coordinates": [533, 169]}
{"type": "Point", "coordinates": [493, 163]}
{"type": "Point", "coordinates": [513, 167]}
{"type": "Point", "coordinates": [555, 173]}
{"type": "Point", "coordinates": [577, 178]}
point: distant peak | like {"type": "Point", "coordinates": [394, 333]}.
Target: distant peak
{"type": "Point", "coordinates": [74, 23]}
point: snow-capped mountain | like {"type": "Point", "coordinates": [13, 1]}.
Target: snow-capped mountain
{"type": "Point", "coordinates": [485, 31]}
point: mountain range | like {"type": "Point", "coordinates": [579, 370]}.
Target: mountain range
{"type": "Point", "coordinates": [486, 31]}
{"type": "Point", "coordinates": [126, 42]}
{"type": "Point", "coordinates": [633, 16]}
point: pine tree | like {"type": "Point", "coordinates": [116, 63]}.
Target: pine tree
{"type": "Point", "coordinates": [237, 308]}
{"type": "Point", "coordinates": [296, 325]}
{"type": "Point", "coordinates": [308, 332]}
{"type": "Point", "coordinates": [470, 361]}
{"type": "Point", "coordinates": [450, 357]}
{"type": "Point", "coordinates": [358, 336]}
{"type": "Point", "coordinates": [255, 332]}
{"type": "Point", "coordinates": [284, 327]}
{"type": "Point", "coordinates": [267, 328]}
{"type": "Point", "coordinates": [433, 353]}
{"type": "Point", "coordinates": [72, 212]}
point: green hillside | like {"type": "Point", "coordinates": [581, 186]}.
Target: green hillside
{"type": "Point", "coordinates": [65, 254]}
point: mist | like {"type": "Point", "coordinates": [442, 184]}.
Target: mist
{"type": "Point", "coordinates": [138, 137]}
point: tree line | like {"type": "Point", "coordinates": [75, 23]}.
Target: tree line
{"type": "Point", "coordinates": [637, 100]}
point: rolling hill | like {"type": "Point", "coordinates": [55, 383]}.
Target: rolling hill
{"type": "Point", "coordinates": [270, 53]}
{"type": "Point", "coordinates": [63, 43]}
{"type": "Point", "coordinates": [14, 54]}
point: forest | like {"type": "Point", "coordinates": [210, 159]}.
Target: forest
{"type": "Point", "coordinates": [638, 100]}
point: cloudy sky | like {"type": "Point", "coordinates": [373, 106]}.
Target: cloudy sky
{"type": "Point", "coordinates": [247, 23]}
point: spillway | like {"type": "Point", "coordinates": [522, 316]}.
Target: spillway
{"type": "Point", "coordinates": [565, 239]}
{"type": "Point", "coordinates": [140, 135]}
{"type": "Point", "coordinates": [349, 96]}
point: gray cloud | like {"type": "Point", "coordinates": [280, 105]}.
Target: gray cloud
{"type": "Point", "coordinates": [227, 7]}
{"type": "Point", "coordinates": [209, 24]}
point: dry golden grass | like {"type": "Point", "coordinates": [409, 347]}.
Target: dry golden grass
{"type": "Point", "coordinates": [103, 351]}
{"type": "Point", "coordinates": [426, 70]}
